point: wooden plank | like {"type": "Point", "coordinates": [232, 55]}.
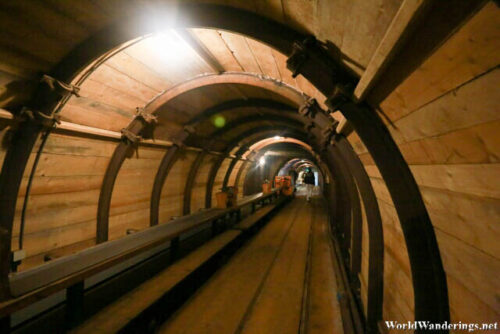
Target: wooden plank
{"type": "Point", "coordinates": [20, 33]}
{"type": "Point", "coordinates": [201, 50]}
{"type": "Point", "coordinates": [37, 260]}
{"type": "Point", "coordinates": [87, 112]}
{"type": "Point", "coordinates": [366, 27]}
{"type": "Point", "coordinates": [459, 220]}
{"type": "Point", "coordinates": [20, 64]}
{"type": "Point", "coordinates": [458, 214]}
{"type": "Point", "coordinates": [285, 73]}
{"type": "Point", "coordinates": [85, 14]}
{"type": "Point", "coordinates": [48, 240]}
{"type": "Point", "coordinates": [15, 90]}
{"type": "Point", "coordinates": [241, 51]}
{"type": "Point", "coordinates": [109, 95]}
{"type": "Point", "coordinates": [472, 219]}
{"type": "Point", "coordinates": [122, 82]}
{"type": "Point", "coordinates": [472, 50]}
{"type": "Point", "coordinates": [272, 9]}
{"type": "Point", "coordinates": [212, 40]}
{"type": "Point", "coordinates": [398, 293]}
{"type": "Point", "coordinates": [474, 269]}
{"type": "Point", "coordinates": [476, 144]}
{"type": "Point", "coordinates": [299, 14]}
{"type": "Point", "coordinates": [467, 307]}
{"type": "Point", "coordinates": [472, 104]}
{"type": "Point", "coordinates": [176, 67]}
{"type": "Point", "coordinates": [388, 45]}
{"type": "Point", "coordinates": [133, 68]}
{"type": "Point", "coordinates": [330, 20]}
{"type": "Point", "coordinates": [479, 180]}
{"type": "Point", "coordinates": [264, 57]}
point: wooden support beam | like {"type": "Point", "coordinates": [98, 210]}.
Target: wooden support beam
{"type": "Point", "coordinates": [427, 30]}
{"type": "Point", "coordinates": [401, 25]}
{"type": "Point", "coordinates": [201, 50]}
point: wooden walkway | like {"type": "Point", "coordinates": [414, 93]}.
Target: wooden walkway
{"type": "Point", "coordinates": [282, 281]}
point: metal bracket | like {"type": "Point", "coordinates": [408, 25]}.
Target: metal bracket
{"type": "Point", "coordinates": [37, 116]}
{"type": "Point", "coordinates": [179, 139]}
{"type": "Point", "coordinates": [146, 116]}
{"type": "Point", "coordinates": [309, 126]}
{"type": "Point", "coordinates": [63, 89]}
{"type": "Point", "coordinates": [309, 108]}
{"type": "Point", "coordinates": [298, 57]}
{"type": "Point", "coordinates": [207, 145]}
{"type": "Point", "coordinates": [130, 136]}
{"type": "Point", "coordinates": [339, 97]}
{"type": "Point", "coordinates": [329, 133]}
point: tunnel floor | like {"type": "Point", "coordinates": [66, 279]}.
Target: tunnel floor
{"type": "Point", "coordinates": [282, 281]}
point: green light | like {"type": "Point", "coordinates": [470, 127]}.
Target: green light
{"type": "Point", "coordinates": [219, 121]}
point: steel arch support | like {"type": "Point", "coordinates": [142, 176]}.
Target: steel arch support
{"type": "Point", "coordinates": [375, 288]}
{"type": "Point", "coordinates": [188, 190]}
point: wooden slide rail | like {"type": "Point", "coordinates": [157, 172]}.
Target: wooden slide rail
{"type": "Point", "coordinates": [40, 282]}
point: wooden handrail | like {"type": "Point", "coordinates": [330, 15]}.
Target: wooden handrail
{"type": "Point", "coordinates": [42, 281]}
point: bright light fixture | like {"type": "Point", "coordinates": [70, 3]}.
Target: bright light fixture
{"type": "Point", "coordinates": [278, 137]}
{"type": "Point", "coordinates": [170, 47]}
{"type": "Point", "coordinates": [262, 160]}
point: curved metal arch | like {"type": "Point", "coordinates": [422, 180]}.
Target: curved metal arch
{"type": "Point", "coordinates": [193, 171]}
{"type": "Point", "coordinates": [244, 78]}
{"type": "Point", "coordinates": [240, 152]}
{"type": "Point", "coordinates": [258, 118]}
{"type": "Point", "coordinates": [164, 168]}
{"type": "Point", "coordinates": [240, 171]}
{"type": "Point", "coordinates": [375, 289]}
{"type": "Point", "coordinates": [240, 103]}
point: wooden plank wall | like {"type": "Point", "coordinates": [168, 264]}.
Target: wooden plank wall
{"type": "Point", "coordinates": [219, 179]}
{"type": "Point", "coordinates": [172, 195]}
{"type": "Point", "coordinates": [243, 176]}
{"type": "Point", "coordinates": [446, 117]}
{"type": "Point", "coordinates": [130, 202]}
{"type": "Point", "coordinates": [200, 183]}
{"type": "Point", "coordinates": [234, 173]}
{"type": "Point", "coordinates": [61, 213]}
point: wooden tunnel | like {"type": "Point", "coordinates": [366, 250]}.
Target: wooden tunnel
{"type": "Point", "coordinates": [121, 116]}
